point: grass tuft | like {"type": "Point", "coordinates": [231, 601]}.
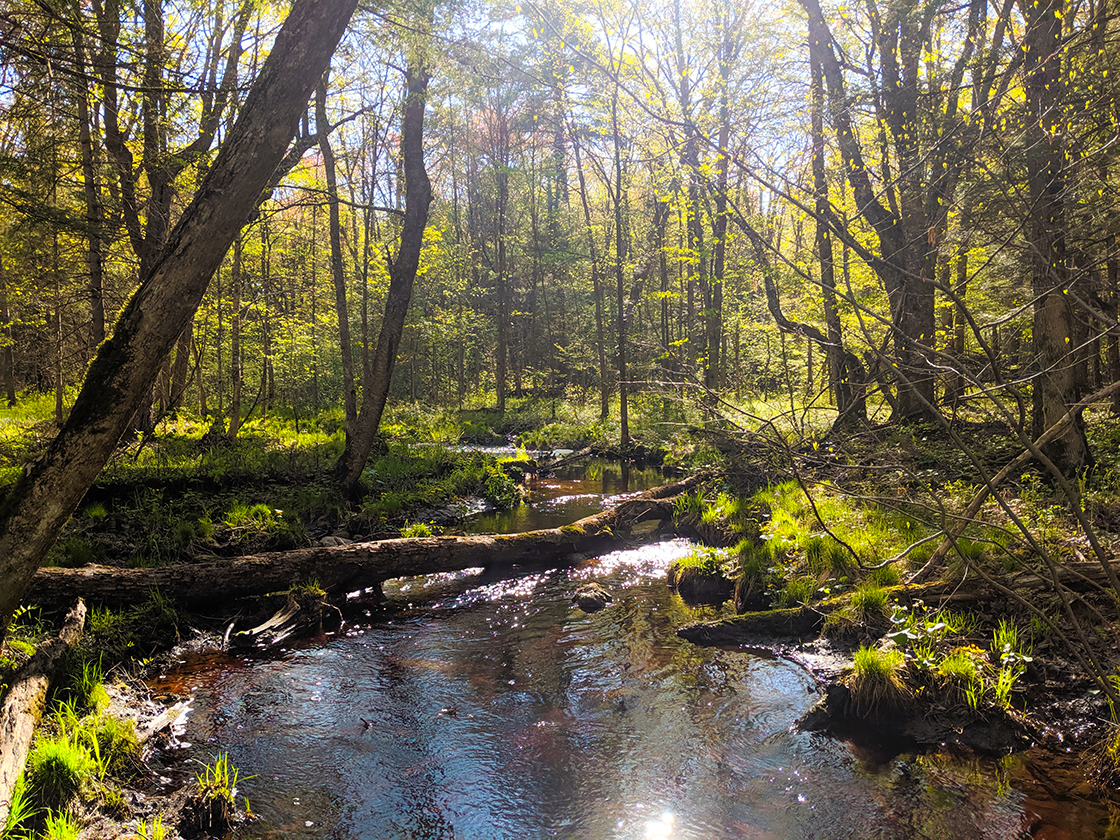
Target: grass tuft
{"type": "Point", "coordinates": [56, 770]}
{"type": "Point", "coordinates": [876, 684]}
{"type": "Point", "coordinates": [869, 603]}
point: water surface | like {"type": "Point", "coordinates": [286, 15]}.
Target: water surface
{"type": "Point", "coordinates": [482, 708]}
{"type": "Point", "coordinates": [568, 493]}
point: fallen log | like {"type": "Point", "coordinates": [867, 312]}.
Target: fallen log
{"type": "Point", "coordinates": [549, 465]}
{"type": "Point", "coordinates": [766, 626]}
{"type": "Point", "coordinates": [347, 568]}
{"type": "Point", "coordinates": [23, 704]}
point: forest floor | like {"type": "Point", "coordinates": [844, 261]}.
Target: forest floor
{"type": "Point", "coordinates": [832, 525]}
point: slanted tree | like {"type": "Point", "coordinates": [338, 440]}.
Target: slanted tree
{"type": "Point", "coordinates": [127, 364]}
{"type": "Point", "coordinates": [402, 275]}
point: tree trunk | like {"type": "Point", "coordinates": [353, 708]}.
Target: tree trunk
{"type": "Point", "coordinates": [620, 252]}
{"type": "Point", "coordinates": [94, 261]}
{"type": "Point", "coordinates": [839, 375]}
{"type": "Point", "coordinates": [236, 368]}
{"type": "Point", "coordinates": [126, 365]}
{"type": "Point", "coordinates": [181, 367]}
{"type": "Point", "coordinates": [402, 274]}
{"type": "Point", "coordinates": [343, 569]}
{"type": "Point", "coordinates": [596, 285]}
{"type": "Point", "coordinates": [8, 360]}
{"type": "Point", "coordinates": [1055, 385]}
{"type": "Point", "coordinates": [349, 394]}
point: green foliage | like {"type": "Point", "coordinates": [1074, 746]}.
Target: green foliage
{"type": "Point", "coordinates": [155, 830]}
{"type": "Point", "coordinates": [90, 688]}
{"type": "Point", "coordinates": [886, 576]}
{"type": "Point", "coordinates": [218, 779]}
{"type": "Point", "coordinates": [257, 517]}
{"type": "Point", "coordinates": [960, 667]}
{"type": "Point", "coordinates": [311, 588]}
{"type": "Point", "coordinates": [213, 801]}
{"type": "Point", "coordinates": [21, 811]}
{"type": "Point", "coordinates": [690, 503]}
{"type": "Point", "coordinates": [869, 603]}
{"type": "Point", "coordinates": [59, 826]}
{"type": "Point", "coordinates": [797, 591]}
{"type": "Point", "coordinates": [707, 560]}
{"type": "Point", "coordinates": [406, 480]}
{"type": "Point", "coordinates": [135, 633]}
{"type": "Point", "coordinates": [115, 746]}
{"type": "Point", "coordinates": [96, 511]}
{"type": "Point", "coordinates": [876, 683]}
{"type": "Point", "coordinates": [56, 769]}
{"type": "Point", "coordinates": [76, 550]}
{"type": "Point", "coordinates": [417, 529]}
{"type": "Point", "coordinates": [1013, 660]}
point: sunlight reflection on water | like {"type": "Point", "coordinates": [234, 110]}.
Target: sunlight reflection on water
{"type": "Point", "coordinates": [469, 708]}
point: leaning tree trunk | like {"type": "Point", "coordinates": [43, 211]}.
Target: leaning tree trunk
{"type": "Point", "coordinates": [126, 365]}
{"type": "Point", "coordinates": [402, 274]}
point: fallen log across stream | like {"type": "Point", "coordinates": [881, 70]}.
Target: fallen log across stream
{"type": "Point", "coordinates": [348, 568]}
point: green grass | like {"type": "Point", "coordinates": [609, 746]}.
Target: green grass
{"type": "Point", "coordinates": [155, 830]}
{"type": "Point", "coordinates": [213, 801]}
{"type": "Point", "coordinates": [869, 603]}
{"type": "Point", "coordinates": [960, 672]}
{"type": "Point", "coordinates": [404, 480]}
{"type": "Point", "coordinates": [886, 576]}
{"type": "Point", "coordinates": [258, 517]}
{"type": "Point", "coordinates": [799, 590]}
{"type": "Point", "coordinates": [59, 826]}
{"type": "Point", "coordinates": [22, 809]}
{"type": "Point", "coordinates": [417, 529]}
{"type": "Point", "coordinates": [96, 511]}
{"type": "Point", "coordinates": [56, 769]}
{"type": "Point", "coordinates": [115, 746]}
{"type": "Point", "coordinates": [218, 779]}
{"type": "Point", "coordinates": [690, 503]}
{"type": "Point", "coordinates": [132, 634]}
{"type": "Point", "coordinates": [876, 683]}
{"type": "Point", "coordinates": [708, 560]}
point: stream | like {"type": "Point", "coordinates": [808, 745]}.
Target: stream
{"type": "Point", "coordinates": [484, 707]}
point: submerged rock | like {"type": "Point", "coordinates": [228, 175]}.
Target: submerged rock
{"type": "Point", "coordinates": [591, 597]}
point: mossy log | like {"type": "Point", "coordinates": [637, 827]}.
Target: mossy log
{"type": "Point", "coordinates": [756, 627]}
{"type": "Point", "coordinates": [23, 704]}
{"type": "Point", "coordinates": [342, 569]}
{"type": "Point", "coordinates": [805, 622]}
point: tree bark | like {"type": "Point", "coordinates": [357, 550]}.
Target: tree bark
{"type": "Point", "coordinates": [126, 365]}
{"type": "Point", "coordinates": [349, 395]}
{"type": "Point", "coordinates": [343, 569]}
{"type": "Point", "coordinates": [1055, 385]}
{"type": "Point", "coordinates": [91, 189]}
{"type": "Point", "coordinates": [402, 274]}
{"type": "Point", "coordinates": [236, 369]}
{"type": "Point", "coordinates": [838, 373]}
{"type": "Point", "coordinates": [24, 702]}
{"type": "Point", "coordinates": [8, 359]}
{"type": "Point", "coordinates": [596, 285]}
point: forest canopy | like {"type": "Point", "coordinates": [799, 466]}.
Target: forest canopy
{"type": "Point", "coordinates": [893, 211]}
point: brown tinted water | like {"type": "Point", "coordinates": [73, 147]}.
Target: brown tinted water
{"type": "Point", "coordinates": [567, 494]}
{"type": "Point", "coordinates": [483, 708]}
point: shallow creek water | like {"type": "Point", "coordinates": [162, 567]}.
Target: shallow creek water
{"type": "Point", "coordinates": [478, 707]}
